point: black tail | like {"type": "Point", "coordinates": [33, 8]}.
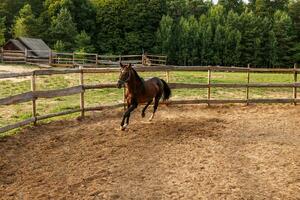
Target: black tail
{"type": "Point", "coordinates": [167, 90]}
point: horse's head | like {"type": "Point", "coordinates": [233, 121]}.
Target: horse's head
{"type": "Point", "coordinates": [124, 74]}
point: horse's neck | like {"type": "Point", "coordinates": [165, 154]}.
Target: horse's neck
{"type": "Point", "coordinates": [134, 83]}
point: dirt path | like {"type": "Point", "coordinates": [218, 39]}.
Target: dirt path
{"type": "Point", "coordinates": [188, 152]}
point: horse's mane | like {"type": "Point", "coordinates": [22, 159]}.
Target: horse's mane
{"type": "Point", "coordinates": [140, 79]}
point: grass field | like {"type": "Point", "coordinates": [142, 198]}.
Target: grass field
{"type": "Point", "coordinates": [14, 113]}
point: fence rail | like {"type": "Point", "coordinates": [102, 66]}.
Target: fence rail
{"type": "Point", "coordinates": [67, 59]}
{"type": "Point", "coordinates": [34, 95]}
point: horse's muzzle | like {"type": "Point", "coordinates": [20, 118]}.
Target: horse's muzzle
{"type": "Point", "coordinates": [120, 84]}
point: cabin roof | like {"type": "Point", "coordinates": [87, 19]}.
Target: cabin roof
{"type": "Point", "coordinates": [36, 47]}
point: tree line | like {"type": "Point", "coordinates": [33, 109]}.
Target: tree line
{"type": "Point", "coordinates": [189, 32]}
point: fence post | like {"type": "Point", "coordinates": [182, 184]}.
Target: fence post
{"type": "Point", "coordinates": [120, 59]}
{"type": "Point", "coordinates": [143, 60]}
{"type": "Point", "coordinates": [50, 57]}
{"type": "Point", "coordinates": [168, 76]}
{"type": "Point", "coordinates": [25, 55]}
{"type": "Point", "coordinates": [73, 59]}
{"type": "Point", "coordinates": [2, 55]}
{"type": "Point", "coordinates": [96, 60]}
{"type": "Point", "coordinates": [208, 86]}
{"type": "Point", "coordinates": [248, 81]}
{"type": "Point", "coordinates": [33, 89]}
{"type": "Point", "coordinates": [81, 82]}
{"type": "Point", "coordinates": [295, 81]}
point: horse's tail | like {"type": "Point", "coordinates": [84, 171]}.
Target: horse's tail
{"type": "Point", "coordinates": [167, 90]}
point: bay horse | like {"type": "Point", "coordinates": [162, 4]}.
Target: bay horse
{"type": "Point", "coordinates": [140, 91]}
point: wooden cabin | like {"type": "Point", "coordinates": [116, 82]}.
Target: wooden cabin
{"type": "Point", "coordinates": [34, 47]}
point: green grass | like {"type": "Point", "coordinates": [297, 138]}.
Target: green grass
{"type": "Point", "coordinates": [14, 113]}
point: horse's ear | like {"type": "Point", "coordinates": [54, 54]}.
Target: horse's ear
{"type": "Point", "coordinates": [121, 65]}
{"type": "Point", "coordinates": [130, 65]}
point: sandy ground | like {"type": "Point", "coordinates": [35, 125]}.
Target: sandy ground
{"type": "Point", "coordinates": [16, 68]}
{"type": "Point", "coordinates": [188, 152]}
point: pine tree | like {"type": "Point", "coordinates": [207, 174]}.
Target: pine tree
{"type": "Point", "coordinates": [64, 29]}
{"type": "Point", "coordinates": [249, 32]}
{"type": "Point", "coordinates": [83, 43]}
{"type": "Point", "coordinates": [164, 34]}
{"type": "Point", "coordinates": [183, 38]}
{"type": "Point", "coordinates": [261, 7]}
{"type": "Point", "coordinates": [234, 5]}
{"type": "Point", "coordinates": [25, 23]}
{"type": "Point", "coordinates": [193, 40]}
{"type": "Point", "coordinates": [271, 54]}
{"type": "Point", "coordinates": [2, 31]}
{"type": "Point", "coordinates": [218, 45]}
{"type": "Point", "coordinates": [283, 33]}
{"type": "Point", "coordinates": [59, 46]}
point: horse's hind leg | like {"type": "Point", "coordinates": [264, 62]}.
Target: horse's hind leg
{"type": "Point", "coordinates": [144, 109]}
{"type": "Point", "coordinates": [156, 101]}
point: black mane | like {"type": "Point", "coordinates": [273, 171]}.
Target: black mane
{"type": "Point", "coordinates": [140, 79]}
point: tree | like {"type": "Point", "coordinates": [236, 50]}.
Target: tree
{"type": "Point", "coordinates": [283, 32]}
{"type": "Point", "coordinates": [234, 5]}
{"type": "Point", "coordinates": [294, 10]}
{"type": "Point", "coordinates": [2, 31]}
{"type": "Point", "coordinates": [59, 46]}
{"type": "Point", "coordinates": [83, 43]}
{"type": "Point", "coordinates": [63, 28]}
{"type": "Point", "coordinates": [219, 45]}
{"type": "Point", "coordinates": [261, 7]}
{"type": "Point", "coordinates": [9, 9]}
{"type": "Point", "coordinates": [271, 57]}
{"type": "Point", "coordinates": [163, 35]}
{"type": "Point", "coordinates": [25, 23]}
{"type": "Point", "coordinates": [183, 38]}
{"type": "Point", "coordinates": [249, 32]}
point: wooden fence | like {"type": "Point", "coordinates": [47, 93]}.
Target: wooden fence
{"type": "Point", "coordinates": [62, 59]}
{"type": "Point", "coordinates": [34, 95]}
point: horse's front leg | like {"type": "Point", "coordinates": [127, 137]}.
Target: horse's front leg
{"type": "Point", "coordinates": [126, 115]}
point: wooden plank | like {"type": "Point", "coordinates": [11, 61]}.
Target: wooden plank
{"type": "Point", "coordinates": [100, 86]}
{"type": "Point", "coordinates": [81, 82]}
{"type": "Point", "coordinates": [58, 93]}
{"type": "Point", "coordinates": [33, 88]}
{"type": "Point", "coordinates": [58, 114]}
{"type": "Point", "coordinates": [15, 75]}
{"type": "Point", "coordinates": [103, 107]}
{"type": "Point", "coordinates": [204, 85]}
{"type": "Point", "coordinates": [208, 85]}
{"type": "Point", "coordinates": [272, 100]}
{"type": "Point", "coordinates": [101, 70]}
{"type": "Point", "coordinates": [205, 101]}
{"type": "Point", "coordinates": [158, 56]}
{"type": "Point", "coordinates": [16, 125]}
{"type": "Point", "coordinates": [295, 81]}
{"type": "Point", "coordinates": [139, 69]}
{"type": "Point", "coordinates": [225, 101]}
{"type": "Point", "coordinates": [131, 56]}
{"type": "Point", "coordinates": [248, 82]}
{"type": "Point", "coordinates": [233, 85]}
{"type": "Point", "coordinates": [157, 60]}
{"type": "Point", "coordinates": [19, 98]}
{"type": "Point", "coordinates": [53, 72]}
{"type": "Point", "coordinates": [13, 51]}
{"type": "Point", "coordinates": [61, 65]}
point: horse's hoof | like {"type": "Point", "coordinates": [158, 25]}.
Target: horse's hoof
{"type": "Point", "coordinates": [123, 128]}
{"type": "Point", "coordinates": [151, 118]}
{"type": "Point", "coordinates": [143, 115]}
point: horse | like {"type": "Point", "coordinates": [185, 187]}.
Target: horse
{"type": "Point", "coordinates": [140, 91]}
